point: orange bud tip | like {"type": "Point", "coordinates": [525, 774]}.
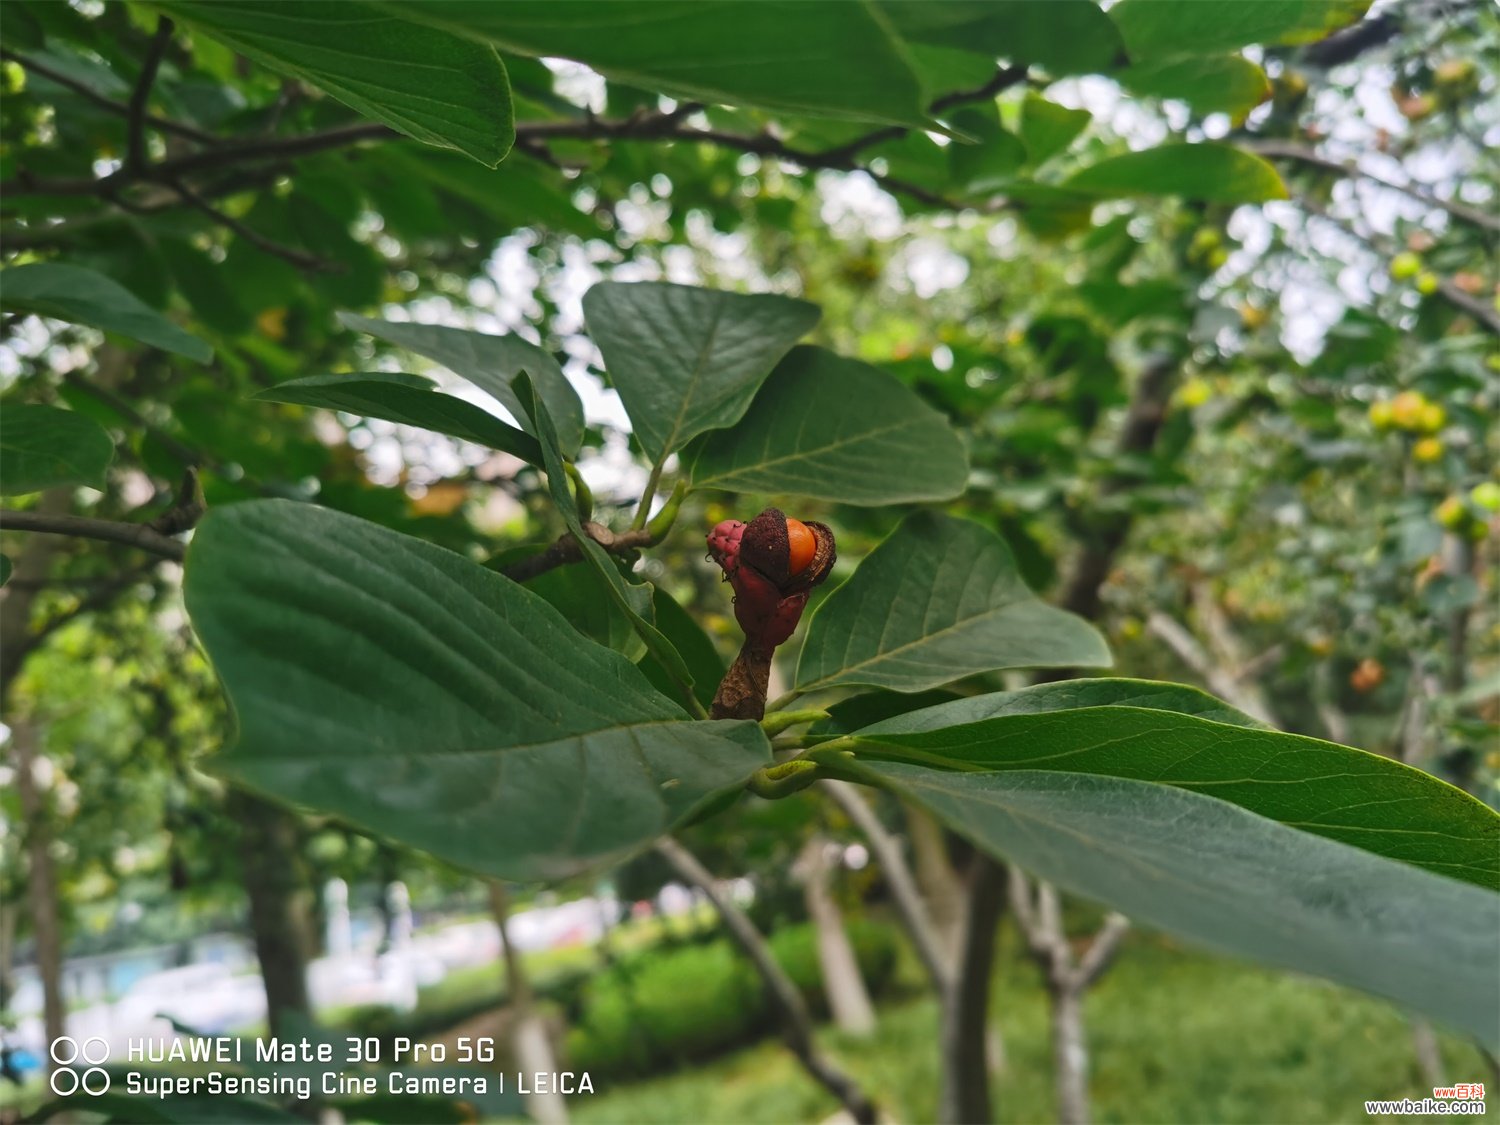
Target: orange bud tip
{"type": "Point", "coordinates": [802, 546]}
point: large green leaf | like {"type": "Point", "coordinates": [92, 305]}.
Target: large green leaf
{"type": "Point", "coordinates": [633, 598]}
{"type": "Point", "coordinates": [1214, 173]}
{"type": "Point", "coordinates": [1210, 84]}
{"type": "Point", "coordinates": [410, 400]}
{"type": "Point", "coordinates": [831, 60]}
{"type": "Point", "coordinates": [491, 363]}
{"type": "Point", "coordinates": [835, 429]}
{"type": "Point", "coordinates": [686, 359]}
{"type": "Point", "coordinates": [81, 296]}
{"type": "Point", "coordinates": [395, 684]}
{"type": "Point", "coordinates": [1047, 128]}
{"type": "Point", "coordinates": [1226, 878]}
{"type": "Point", "coordinates": [698, 651]}
{"type": "Point", "coordinates": [939, 600]}
{"type": "Point", "coordinates": [430, 85]}
{"type": "Point", "coordinates": [1178, 736]}
{"type": "Point", "coordinates": [1158, 28]}
{"type": "Point", "coordinates": [581, 595]}
{"type": "Point", "coordinates": [43, 447]}
{"type": "Point", "coordinates": [1064, 36]}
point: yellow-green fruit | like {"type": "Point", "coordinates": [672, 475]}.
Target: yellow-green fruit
{"type": "Point", "coordinates": [1381, 415]}
{"type": "Point", "coordinates": [1427, 450]}
{"type": "Point", "coordinates": [1195, 392]}
{"type": "Point", "coordinates": [1405, 266]}
{"type": "Point", "coordinates": [1434, 417]}
{"type": "Point", "coordinates": [1204, 240]}
{"type": "Point", "coordinates": [12, 77]}
{"type": "Point", "coordinates": [1217, 259]}
{"type": "Point", "coordinates": [1452, 514]}
{"type": "Point", "coordinates": [1477, 531]}
{"type": "Point", "coordinates": [1486, 496]}
{"type": "Point", "coordinates": [1427, 283]}
{"type": "Point", "coordinates": [1407, 409]}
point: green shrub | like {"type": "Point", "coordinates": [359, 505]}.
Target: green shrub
{"type": "Point", "coordinates": [664, 1007]}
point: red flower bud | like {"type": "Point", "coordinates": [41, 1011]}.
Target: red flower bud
{"type": "Point", "coordinates": [772, 562]}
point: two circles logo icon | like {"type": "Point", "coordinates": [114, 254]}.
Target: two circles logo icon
{"type": "Point", "coordinates": [65, 1051]}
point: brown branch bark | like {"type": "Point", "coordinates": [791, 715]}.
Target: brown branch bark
{"type": "Point", "coordinates": [567, 549]}
{"type": "Point", "coordinates": [135, 148]}
{"type": "Point", "coordinates": [965, 1095]}
{"type": "Point", "coordinates": [529, 1039]}
{"type": "Point", "coordinates": [138, 535]}
{"type": "Point", "coordinates": [87, 92]}
{"type": "Point", "coordinates": [796, 1023]}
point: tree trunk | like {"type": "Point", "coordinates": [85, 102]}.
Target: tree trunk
{"type": "Point", "coordinates": [848, 1000]}
{"type": "Point", "coordinates": [529, 1039]}
{"type": "Point", "coordinates": [41, 882]}
{"type": "Point", "coordinates": [965, 1096]}
{"type": "Point", "coordinates": [1070, 1055]}
{"type": "Point", "coordinates": [280, 903]}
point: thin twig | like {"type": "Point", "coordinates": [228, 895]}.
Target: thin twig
{"type": "Point", "coordinates": [567, 549]}
{"type": "Point", "coordinates": [255, 238]}
{"type": "Point", "coordinates": [165, 124]}
{"type": "Point", "coordinates": [139, 535]}
{"type": "Point", "coordinates": [796, 1023]}
{"type": "Point", "coordinates": [135, 149]}
{"type": "Point", "coordinates": [898, 877]}
{"type": "Point", "coordinates": [1287, 150]}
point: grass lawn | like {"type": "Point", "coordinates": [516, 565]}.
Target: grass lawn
{"type": "Point", "coordinates": [1175, 1036]}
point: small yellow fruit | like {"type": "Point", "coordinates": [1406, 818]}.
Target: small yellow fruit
{"type": "Point", "coordinates": [1427, 450]}
{"type": "Point", "coordinates": [1195, 392]}
{"type": "Point", "coordinates": [1452, 513]}
{"type": "Point", "coordinates": [1407, 408]}
{"type": "Point", "coordinates": [1427, 283]}
{"type": "Point", "coordinates": [1486, 496]}
{"type": "Point", "coordinates": [1434, 417]}
{"type": "Point", "coordinates": [1253, 316]}
{"type": "Point", "coordinates": [1382, 417]}
{"type": "Point", "coordinates": [1405, 266]}
{"type": "Point", "coordinates": [1217, 259]}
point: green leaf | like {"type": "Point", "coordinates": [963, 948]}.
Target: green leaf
{"type": "Point", "coordinates": [1228, 879]}
{"type": "Point", "coordinates": [399, 686]}
{"type": "Point", "coordinates": [43, 447]}
{"type": "Point", "coordinates": [1210, 84]}
{"type": "Point", "coordinates": [698, 652]}
{"type": "Point", "coordinates": [584, 598]}
{"type": "Point", "coordinates": [830, 60]}
{"type": "Point", "coordinates": [1157, 28]}
{"type": "Point", "coordinates": [410, 400]}
{"type": "Point", "coordinates": [434, 87]}
{"type": "Point", "coordinates": [633, 598]}
{"type": "Point", "coordinates": [834, 429]}
{"type": "Point", "coordinates": [1173, 735]}
{"type": "Point", "coordinates": [992, 159]}
{"type": "Point", "coordinates": [939, 600]}
{"type": "Point", "coordinates": [1047, 128]}
{"type": "Point", "coordinates": [491, 363]}
{"type": "Point", "coordinates": [685, 359]}
{"type": "Point", "coordinates": [81, 296]}
{"type": "Point", "coordinates": [1062, 36]}
{"type": "Point", "coordinates": [1214, 173]}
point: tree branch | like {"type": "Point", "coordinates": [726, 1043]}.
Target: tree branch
{"type": "Point", "coordinates": [1289, 150]}
{"type": "Point", "coordinates": [567, 549]}
{"type": "Point", "coordinates": [965, 1095]}
{"type": "Point", "coordinates": [138, 535]}
{"type": "Point", "coordinates": [796, 1023]}
{"type": "Point", "coordinates": [135, 149]}
{"type": "Point", "coordinates": [259, 241]}
{"type": "Point", "coordinates": [898, 877]}
{"type": "Point", "coordinates": [165, 124]}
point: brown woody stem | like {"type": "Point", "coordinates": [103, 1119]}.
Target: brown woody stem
{"type": "Point", "coordinates": [742, 691]}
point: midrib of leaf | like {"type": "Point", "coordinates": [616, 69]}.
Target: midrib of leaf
{"type": "Point", "coordinates": [805, 455]}
{"type": "Point", "coordinates": [694, 379]}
